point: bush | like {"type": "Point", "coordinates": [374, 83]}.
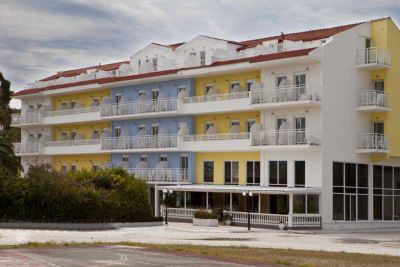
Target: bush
{"type": "Point", "coordinates": [203, 214]}
{"type": "Point", "coordinates": [86, 196]}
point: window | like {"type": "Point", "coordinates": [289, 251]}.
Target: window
{"type": "Point", "coordinates": [73, 134]}
{"type": "Point", "coordinates": [143, 158]}
{"type": "Point", "coordinates": [73, 168]}
{"type": "Point", "coordinates": [306, 204]}
{"type": "Point", "coordinates": [64, 168]}
{"type": "Point", "coordinates": [73, 103]}
{"type": "Point", "coordinates": [379, 128]}
{"type": "Point", "coordinates": [209, 87]}
{"type": "Point", "coordinates": [300, 126]}
{"type": "Point", "coordinates": [181, 88]}
{"type": "Point", "coordinates": [125, 158]}
{"type": "Point", "coordinates": [208, 125]}
{"type": "Point", "coordinates": [202, 58]}
{"type": "Point", "coordinates": [231, 172]}
{"type": "Point", "coordinates": [154, 129]}
{"type": "Point", "coordinates": [350, 191]}
{"type": "Point", "coordinates": [163, 158]}
{"type": "Point", "coordinates": [249, 123]}
{"type": "Point", "coordinates": [64, 135]}
{"type": "Point", "coordinates": [280, 80]}
{"type": "Point", "coordinates": [64, 105]}
{"type": "Point", "coordinates": [117, 131]}
{"type": "Point", "coordinates": [96, 131]}
{"type": "Point", "coordinates": [142, 95]}
{"type": "Point", "coordinates": [299, 173]}
{"type": "Point", "coordinates": [96, 101]}
{"type": "Point", "coordinates": [379, 85]}
{"type": "Point", "coordinates": [155, 63]}
{"type": "Point", "coordinates": [249, 84]}
{"type": "Point", "coordinates": [299, 79]}
{"type": "Point", "coordinates": [208, 171]}
{"type": "Point", "coordinates": [142, 128]}
{"type": "Point", "coordinates": [234, 85]}
{"type": "Point", "coordinates": [253, 172]}
{"type": "Point", "coordinates": [386, 193]}
{"type": "Point", "coordinates": [279, 122]}
{"type": "Point", "coordinates": [235, 123]}
{"type": "Point", "coordinates": [118, 98]}
{"type": "Point", "coordinates": [154, 94]}
{"type": "Point", "coordinates": [278, 173]}
{"type": "Point", "coordinates": [184, 162]}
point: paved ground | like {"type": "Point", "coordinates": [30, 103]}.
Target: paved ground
{"type": "Point", "coordinates": [99, 257]}
{"type": "Point", "coordinates": [371, 242]}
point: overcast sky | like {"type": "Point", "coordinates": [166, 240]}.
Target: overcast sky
{"type": "Point", "coordinates": [41, 37]}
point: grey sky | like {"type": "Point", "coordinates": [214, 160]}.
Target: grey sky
{"type": "Point", "coordinates": [40, 37]}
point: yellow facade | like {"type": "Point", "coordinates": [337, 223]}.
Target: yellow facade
{"type": "Point", "coordinates": [81, 161]}
{"type": "Point", "coordinates": [385, 34]}
{"type": "Point", "coordinates": [222, 83]}
{"type": "Point", "coordinates": [219, 160]}
{"type": "Point", "coordinates": [83, 99]}
{"type": "Point", "coordinates": [223, 121]}
{"type": "Point", "coordinates": [86, 130]}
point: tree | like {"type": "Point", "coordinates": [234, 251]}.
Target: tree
{"type": "Point", "coordinates": [5, 98]}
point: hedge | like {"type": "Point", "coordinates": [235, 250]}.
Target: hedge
{"type": "Point", "coordinates": [204, 214]}
{"type": "Point", "coordinates": [45, 195]}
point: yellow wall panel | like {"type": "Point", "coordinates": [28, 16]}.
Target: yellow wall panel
{"type": "Point", "coordinates": [81, 161]}
{"type": "Point", "coordinates": [223, 121]}
{"type": "Point", "coordinates": [219, 159]}
{"type": "Point", "coordinates": [85, 129]}
{"type": "Point", "coordinates": [84, 99]}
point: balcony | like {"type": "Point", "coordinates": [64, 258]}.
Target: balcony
{"type": "Point", "coordinates": [26, 149]}
{"type": "Point", "coordinates": [71, 147]}
{"type": "Point", "coordinates": [217, 142]}
{"type": "Point", "coordinates": [141, 143]}
{"type": "Point", "coordinates": [374, 58]}
{"type": "Point", "coordinates": [73, 115]}
{"type": "Point", "coordinates": [30, 118]}
{"type": "Point", "coordinates": [286, 139]}
{"type": "Point", "coordinates": [216, 103]}
{"type": "Point", "coordinates": [373, 143]}
{"type": "Point", "coordinates": [287, 96]}
{"type": "Point", "coordinates": [140, 109]}
{"type": "Point", "coordinates": [161, 176]}
{"type": "Point", "coordinates": [371, 100]}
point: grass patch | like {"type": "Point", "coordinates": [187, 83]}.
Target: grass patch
{"type": "Point", "coordinates": [267, 256]}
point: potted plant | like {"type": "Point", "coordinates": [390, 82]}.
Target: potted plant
{"type": "Point", "coordinates": [227, 219]}
{"type": "Point", "coordinates": [205, 218]}
{"type": "Point", "coordinates": [282, 225]}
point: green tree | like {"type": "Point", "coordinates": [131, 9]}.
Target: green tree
{"type": "Point", "coordinates": [5, 98]}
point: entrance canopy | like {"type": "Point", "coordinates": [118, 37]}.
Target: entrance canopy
{"type": "Point", "coordinates": [240, 189]}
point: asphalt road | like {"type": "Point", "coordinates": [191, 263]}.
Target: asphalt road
{"type": "Point", "coordinates": [99, 256]}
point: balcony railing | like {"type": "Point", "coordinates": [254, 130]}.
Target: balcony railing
{"type": "Point", "coordinates": [373, 141]}
{"type": "Point", "coordinates": [291, 93]}
{"type": "Point", "coordinates": [26, 148]}
{"type": "Point", "coordinates": [72, 142]}
{"type": "Point", "coordinates": [372, 98]}
{"type": "Point", "coordinates": [139, 107]}
{"type": "Point", "coordinates": [374, 55]}
{"type": "Point", "coordinates": [31, 117]}
{"type": "Point", "coordinates": [139, 142]}
{"type": "Point", "coordinates": [216, 97]}
{"type": "Point", "coordinates": [179, 213]}
{"type": "Point", "coordinates": [154, 175]}
{"type": "Point", "coordinates": [71, 111]}
{"type": "Point", "coordinates": [285, 137]}
{"type": "Point", "coordinates": [216, 137]}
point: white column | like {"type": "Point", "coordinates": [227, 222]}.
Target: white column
{"type": "Point", "coordinates": [230, 201]}
{"type": "Point", "coordinates": [263, 180]}
{"type": "Point", "coordinates": [370, 192]}
{"type": "Point", "coordinates": [184, 199]}
{"type": "Point", "coordinates": [206, 200]}
{"type": "Point", "coordinates": [259, 203]}
{"type": "Point", "coordinates": [290, 215]}
{"type": "Point", "coordinates": [290, 173]}
{"type": "Point", "coordinates": [156, 202]}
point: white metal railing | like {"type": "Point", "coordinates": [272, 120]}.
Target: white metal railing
{"type": "Point", "coordinates": [139, 107]}
{"type": "Point", "coordinates": [31, 117]}
{"type": "Point", "coordinates": [374, 55]}
{"type": "Point", "coordinates": [306, 220]}
{"type": "Point", "coordinates": [373, 141]}
{"type": "Point", "coordinates": [216, 97]}
{"type": "Point", "coordinates": [286, 94]}
{"type": "Point", "coordinates": [26, 148]}
{"type": "Point", "coordinates": [213, 137]}
{"type": "Point", "coordinates": [139, 142]}
{"type": "Point", "coordinates": [178, 213]}
{"type": "Point", "coordinates": [372, 98]}
{"type": "Point", "coordinates": [285, 137]}
{"type": "Point", "coordinates": [154, 175]}
{"type": "Point", "coordinates": [72, 142]}
{"type": "Point", "coordinates": [70, 111]}
{"type": "Point", "coordinates": [258, 218]}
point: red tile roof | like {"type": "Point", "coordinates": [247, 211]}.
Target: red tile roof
{"type": "Point", "coordinates": [281, 55]}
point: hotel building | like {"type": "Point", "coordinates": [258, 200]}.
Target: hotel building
{"type": "Point", "coordinates": [306, 122]}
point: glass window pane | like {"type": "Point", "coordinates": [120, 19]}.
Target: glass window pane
{"type": "Point", "coordinates": [228, 174]}
{"type": "Point", "coordinates": [312, 204]}
{"type": "Point", "coordinates": [299, 203]}
{"type": "Point", "coordinates": [338, 207]}
{"type": "Point", "coordinates": [300, 173]}
{"type": "Point", "coordinates": [208, 170]}
{"type": "Point", "coordinates": [388, 208]}
{"type": "Point", "coordinates": [350, 175]}
{"type": "Point", "coordinates": [388, 177]}
{"type": "Point", "coordinates": [377, 207]}
{"type": "Point", "coordinates": [362, 207]}
{"type": "Point", "coordinates": [235, 172]}
{"type": "Point", "coordinates": [257, 172]}
{"type": "Point", "coordinates": [377, 176]}
{"type": "Point", "coordinates": [397, 208]}
{"type": "Point", "coordinates": [338, 174]}
{"type": "Point", "coordinates": [283, 172]}
{"type": "Point", "coordinates": [362, 180]}
{"type": "Point", "coordinates": [397, 178]}
{"type": "Point", "coordinates": [249, 172]}
{"type": "Point", "coordinates": [273, 172]}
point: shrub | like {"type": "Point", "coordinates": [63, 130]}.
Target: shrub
{"type": "Point", "coordinates": [203, 214]}
{"type": "Point", "coordinates": [46, 195]}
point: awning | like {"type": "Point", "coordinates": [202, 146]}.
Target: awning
{"type": "Point", "coordinates": [240, 189]}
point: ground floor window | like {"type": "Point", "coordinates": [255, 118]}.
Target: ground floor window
{"type": "Point", "coordinates": [231, 172]}
{"type": "Point", "coordinates": [299, 173]}
{"type": "Point", "coordinates": [208, 171]}
{"type": "Point", "coordinates": [278, 173]}
{"type": "Point", "coordinates": [253, 172]}
{"type": "Point", "coordinates": [350, 191]}
{"type": "Point", "coordinates": [386, 192]}
{"type": "Point", "coordinates": [306, 204]}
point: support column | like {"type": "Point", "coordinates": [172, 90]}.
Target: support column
{"type": "Point", "coordinates": [156, 202]}
{"type": "Point", "coordinates": [290, 172]}
{"type": "Point", "coordinates": [230, 201]}
{"type": "Point", "coordinates": [290, 217]}
{"type": "Point", "coordinates": [206, 200]}
{"type": "Point", "coordinates": [184, 199]}
{"type": "Point", "coordinates": [259, 203]}
{"type": "Point", "coordinates": [263, 180]}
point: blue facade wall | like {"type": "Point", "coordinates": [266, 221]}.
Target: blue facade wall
{"type": "Point", "coordinates": [169, 88]}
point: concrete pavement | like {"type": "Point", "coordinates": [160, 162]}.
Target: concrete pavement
{"type": "Point", "coordinates": [370, 242]}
